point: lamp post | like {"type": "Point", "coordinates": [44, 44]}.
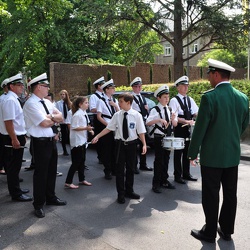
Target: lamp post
{"type": "Point", "coordinates": [189, 5]}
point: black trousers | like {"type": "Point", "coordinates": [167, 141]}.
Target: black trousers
{"type": "Point", "coordinates": [13, 163]}
{"type": "Point", "coordinates": [65, 136]}
{"type": "Point", "coordinates": [107, 144]}
{"type": "Point", "coordinates": [160, 163]}
{"type": "Point", "coordinates": [1, 152]}
{"type": "Point", "coordinates": [44, 179]}
{"type": "Point", "coordinates": [212, 180]}
{"type": "Point", "coordinates": [181, 162]}
{"type": "Point", "coordinates": [126, 157]}
{"type": "Point", "coordinates": [78, 155]}
{"type": "Point", "coordinates": [143, 158]}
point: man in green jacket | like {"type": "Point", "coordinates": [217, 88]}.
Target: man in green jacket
{"type": "Point", "coordinates": [223, 117]}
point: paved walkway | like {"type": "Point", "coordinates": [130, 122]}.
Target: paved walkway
{"type": "Point", "coordinates": [245, 150]}
{"type": "Point", "coordinates": [93, 219]}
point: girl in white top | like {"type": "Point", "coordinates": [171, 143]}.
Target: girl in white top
{"type": "Point", "coordinates": [78, 139]}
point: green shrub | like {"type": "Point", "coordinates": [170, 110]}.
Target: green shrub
{"type": "Point", "coordinates": [196, 89]}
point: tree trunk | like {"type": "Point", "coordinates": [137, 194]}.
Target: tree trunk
{"type": "Point", "coordinates": [178, 48]}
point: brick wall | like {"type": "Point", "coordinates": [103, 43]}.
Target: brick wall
{"type": "Point", "coordinates": [74, 77]}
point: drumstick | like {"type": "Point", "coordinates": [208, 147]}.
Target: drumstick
{"type": "Point", "coordinates": [184, 125]}
{"type": "Point", "coordinates": [9, 146]}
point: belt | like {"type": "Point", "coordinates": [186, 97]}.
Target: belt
{"type": "Point", "coordinates": [43, 138]}
{"type": "Point", "coordinates": [127, 142]}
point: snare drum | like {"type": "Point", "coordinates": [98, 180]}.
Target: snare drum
{"type": "Point", "coordinates": [173, 143]}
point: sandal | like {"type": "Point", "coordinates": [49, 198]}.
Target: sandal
{"type": "Point", "coordinates": [71, 186]}
{"type": "Point", "coordinates": [85, 183]}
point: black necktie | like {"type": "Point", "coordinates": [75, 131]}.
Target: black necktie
{"type": "Point", "coordinates": [112, 108]}
{"type": "Point", "coordinates": [125, 126]}
{"type": "Point", "coordinates": [21, 104]}
{"type": "Point", "coordinates": [87, 120]}
{"type": "Point", "coordinates": [45, 107]}
{"type": "Point", "coordinates": [185, 103]}
{"type": "Point", "coordinates": [143, 110]}
{"type": "Point", "coordinates": [166, 114]}
{"type": "Point", "coordinates": [65, 110]}
{"type": "Point", "coordinates": [54, 128]}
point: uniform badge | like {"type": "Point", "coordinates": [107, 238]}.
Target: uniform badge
{"type": "Point", "coordinates": [131, 125]}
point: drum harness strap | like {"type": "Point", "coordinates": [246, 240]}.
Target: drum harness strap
{"type": "Point", "coordinates": [187, 113]}
{"type": "Point", "coordinates": [163, 130]}
{"type": "Point", "coordinates": [111, 113]}
{"type": "Point", "coordinates": [144, 112]}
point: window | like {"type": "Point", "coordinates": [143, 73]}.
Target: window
{"type": "Point", "coordinates": [194, 48]}
{"type": "Point", "coordinates": [168, 51]}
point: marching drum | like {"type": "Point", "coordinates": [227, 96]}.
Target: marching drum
{"type": "Point", "coordinates": [173, 143]}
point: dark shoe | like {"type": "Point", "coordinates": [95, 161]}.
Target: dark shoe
{"type": "Point", "coordinates": [199, 235]}
{"type": "Point", "coordinates": [132, 195]}
{"type": "Point", "coordinates": [156, 190]}
{"type": "Point", "coordinates": [146, 168]}
{"type": "Point", "coordinates": [226, 237]}
{"type": "Point", "coordinates": [39, 213]}
{"type": "Point", "coordinates": [136, 171]}
{"type": "Point", "coordinates": [168, 185]}
{"type": "Point", "coordinates": [180, 180]}
{"type": "Point", "coordinates": [56, 202]}
{"type": "Point", "coordinates": [190, 178]}
{"type": "Point", "coordinates": [20, 179]}
{"type": "Point", "coordinates": [22, 197]}
{"type": "Point", "coordinates": [108, 176]}
{"type": "Point", "coordinates": [121, 199]}
{"type": "Point", "coordinates": [24, 191]}
{"type": "Point", "coordinates": [66, 153]}
{"type": "Point", "coordinates": [29, 168]}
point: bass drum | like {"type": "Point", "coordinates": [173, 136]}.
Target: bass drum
{"type": "Point", "coordinates": [173, 143]}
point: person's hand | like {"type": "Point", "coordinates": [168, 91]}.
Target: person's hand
{"type": "Point", "coordinates": [89, 128]}
{"type": "Point", "coordinates": [164, 122]}
{"type": "Point", "coordinates": [15, 144]}
{"type": "Point", "coordinates": [94, 140]}
{"type": "Point", "coordinates": [194, 162]}
{"type": "Point", "coordinates": [144, 149]}
{"type": "Point", "coordinates": [92, 132]}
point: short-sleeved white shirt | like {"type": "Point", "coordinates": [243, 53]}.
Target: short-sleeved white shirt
{"type": "Point", "coordinates": [78, 138]}
{"type": "Point", "coordinates": [2, 125]}
{"type": "Point", "coordinates": [105, 109]}
{"type": "Point", "coordinates": [59, 106]}
{"type": "Point", "coordinates": [154, 114]}
{"type": "Point", "coordinates": [94, 99]}
{"type": "Point", "coordinates": [34, 114]}
{"type": "Point", "coordinates": [12, 110]}
{"type": "Point", "coordinates": [176, 108]}
{"type": "Point", "coordinates": [135, 124]}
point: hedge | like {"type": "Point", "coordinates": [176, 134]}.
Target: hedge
{"type": "Point", "coordinates": [196, 89]}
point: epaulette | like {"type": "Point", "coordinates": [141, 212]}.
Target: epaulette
{"type": "Point", "coordinates": [208, 91]}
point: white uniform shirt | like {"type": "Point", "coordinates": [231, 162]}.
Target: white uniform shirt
{"type": "Point", "coordinates": [2, 125]}
{"type": "Point", "coordinates": [34, 114]}
{"type": "Point", "coordinates": [135, 106]}
{"type": "Point", "coordinates": [78, 138]}
{"type": "Point", "coordinates": [176, 108]}
{"type": "Point", "coordinates": [59, 106]}
{"type": "Point", "coordinates": [12, 110]}
{"type": "Point", "coordinates": [69, 117]}
{"type": "Point", "coordinates": [154, 114]}
{"type": "Point", "coordinates": [135, 124]}
{"type": "Point", "coordinates": [105, 109]}
{"type": "Point", "coordinates": [94, 99]}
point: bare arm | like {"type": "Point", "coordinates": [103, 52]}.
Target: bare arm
{"type": "Point", "coordinates": [11, 131]}
{"type": "Point", "coordinates": [101, 134]}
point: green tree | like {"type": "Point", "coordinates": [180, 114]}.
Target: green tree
{"type": "Point", "coordinates": [211, 21]}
